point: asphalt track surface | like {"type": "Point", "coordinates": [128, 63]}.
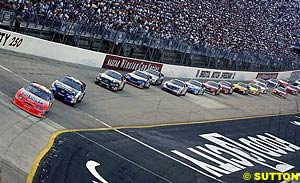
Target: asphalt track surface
{"type": "Point", "coordinates": [151, 158]}
{"type": "Point", "coordinates": [132, 106]}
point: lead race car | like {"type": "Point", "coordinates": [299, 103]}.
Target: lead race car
{"type": "Point", "coordinates": [111, 79]}
{"type": "Point", "coordinates": [175, 86]}
{"type": "Point", "coordinates": [34, 99]}
{"type": "Point", "coordinates": [140, 79]}
{"type": "Point", "coordinates": [195, 87]}
{"type": "Point", "coordinates": [69, 89]}
{"type": "Point", "coordinates": [157, 78]}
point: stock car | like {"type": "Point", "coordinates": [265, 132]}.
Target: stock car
{"type": "Point", "coordinates": [254, 89]}
{"type": "Point", "coordinates": [157, 77]}
{"type": "Point", "coordinates": [226, 87]}
{"type": "Point", "coordinates": [241, 88]}
{"type": "Point", "coordinates": [258, 80]}
{"type": "Point", "coordinates": [212, 87]}
{"type": "Point", "coordinates": [263, 87]}
{"type": "Point", "coordinates": [140, 79]}
{"type": "Point", "coordinates": [111, 79]}
{"type": "Point", "coordinates": [175, 86]}
{"type": "Point", "coordinates": [280, 91]}
{"type": "Point", "coordinates": [34, 99]}
{"type": "Point", "coordinates": [296, 82]}
{"type": "Point", "coordinates": [292, 90]}
{"type": "Point", "coordinates": [273, 83]}
{"type": "Point", "coordinates": [283, 82]}
{"type": "Point", "coordinates": [69, 89]}
{"type": "Point", "coordinates": [195, 87]}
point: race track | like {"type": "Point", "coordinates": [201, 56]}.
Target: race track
{"type": "Point", "coordinates": [103, 108]}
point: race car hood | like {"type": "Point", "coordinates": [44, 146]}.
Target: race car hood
{"type": "Point", "coordinates": [110, 78]}
{"type": "Point", "coordinates": [137, 77]}
{"type": "Point", "coordinates": [272, 82]}
{"type": "Point", "coordinates": [193, 86]}
{"type": "Point", "coordinates": [32, 98]}
{"type": "Point", "coordinates": [208, 85]}
{"type": "Point", "coordinates": [227, 87]}
{"type": "Point", "coordinates": [153, 76]}
{"type": "Point", "coordinates": [173, 85]}
{"type": "Point", "coordinates": [65, 87]}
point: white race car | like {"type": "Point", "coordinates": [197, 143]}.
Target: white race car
{"type": "Point", "coordinates": [263, 87]}
{"type": "Point", "coordinates": [111, 79]}
{"type": "Point", "coordinates": [175, 86]}
{"type": "Point", "coordinates": [157, 78]}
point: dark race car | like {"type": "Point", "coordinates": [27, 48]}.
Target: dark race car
{"type": "Point", "coordinates": [280, 91]}
{"type": "Point", "coordinates": [175, 86]}
{"type": "Point", "coordinates": [195, 87]}
{"type": "Point", "coordinates": [226, 87]}
{"type": "Point", "coordinates": [212, 87]}
{"type": "Point", "coordinates": [34, 99]}
{"type": "Point", "coordinates": [111, 79]}
{"type": "Point", "coordinates": [293, 90]}
{"type": "Point", "coordinates": [157, 77]}
{"type": "Point", "coordinates": [140, 79]}
{"type": "Point", "coordinates": [273, 83]}
{"type": "Point", "coordinates": [69, 89]}
{"type": "Point", "coordinates": [283, 82]}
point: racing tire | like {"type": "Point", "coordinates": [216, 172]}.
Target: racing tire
{"type": "Point", "coordinates": [147, 84]}
{"type": "Point", "coordinates": [214, 93]}
{"type": "Point", "coordinates": [78, 101]}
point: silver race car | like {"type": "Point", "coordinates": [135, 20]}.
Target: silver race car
{"type": "Point", "coordinates": [111, 79]}
{"type": "Point", "coordinates": [157, 78]}
{"type": "Point", "coordinates": [175, 86]}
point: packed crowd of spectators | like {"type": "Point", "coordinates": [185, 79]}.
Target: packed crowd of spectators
{"type": "Point", "coordinates": [253, 25]}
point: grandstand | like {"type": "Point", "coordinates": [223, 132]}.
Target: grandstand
{"type": "Point", "coordinates": [225, 34]}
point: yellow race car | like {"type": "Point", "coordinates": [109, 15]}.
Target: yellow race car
{"type": "Point", "coordinates": [254, 89]}
{"type": "Point", "coordinates": [241, 88]}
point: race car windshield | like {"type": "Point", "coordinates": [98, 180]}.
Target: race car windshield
{"type": "Point", "coordinates": [243, 85]}
{"type": "Point", "coordinates": [113, 75]}
{"type": "Point", "coordinates": [254, 86]}
{"type": "Point", "coordinates": [140, 74]}
{"type": "Point", "coordinates": [178, 83]}
{"type": "Point", "coordinates": [38, 92]}
{"type": "Point", "coordinates": [273, 80]}
{"type": "Point", "coordinates": [196, 83]}
{"type": "Point", "coordinates": [155, 73]}
{"type": "Point", "coordinates": [281, 89]}
{"type": "Point", "coordinates": [285, 80]}
{"type": "Point", "coordinates": [226, 84]}
{"type": "Point", "coordinates": [260, 80]}
{"type": "Point", "coordinates": [295, 88]}
{"type": "Point", "coordinates": [261, 84]}
{"type": "Point", "coordinates": [71, 83]}
{"type": "Point", "coordinates": [213, 84]}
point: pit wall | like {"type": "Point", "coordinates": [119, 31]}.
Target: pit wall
{"type": "Point", "coordinates": [34, 46]}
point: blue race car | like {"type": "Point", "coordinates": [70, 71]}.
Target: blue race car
{"type": "Point", "coordinates": [69, 89]}
{"type": "Point", "coordinates": [139, 79]}
{"type": "Point", "coordinates": [195, 87]}
{"type": "Point", "coordinates": [273, 83]}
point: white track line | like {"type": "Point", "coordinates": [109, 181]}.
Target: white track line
{"type": "Point", "coordinates": [6, 69]}
{"type": "Point", "coordinates": [156, 150]}
{"type": "Point", "coordinates": [117, 154]}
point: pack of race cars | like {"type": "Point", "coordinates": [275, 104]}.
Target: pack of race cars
{"type": "Point", "coordinates": [37, 99]}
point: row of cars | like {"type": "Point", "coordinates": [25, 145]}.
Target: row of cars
{"type": "Point", "coordinates": [37, 99]}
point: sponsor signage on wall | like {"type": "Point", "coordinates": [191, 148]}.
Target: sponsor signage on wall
{"type": "Point", "coordinates": [129, 65]}
{"type": "Point", "coordinates": [206, 74]}
{"type": "Point", "coordinates": [267, 75]}
{"type": "Point", "coordinates": [8, 40]}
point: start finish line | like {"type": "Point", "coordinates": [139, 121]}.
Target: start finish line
{"type": "Point", "coordinates": [231, 151]}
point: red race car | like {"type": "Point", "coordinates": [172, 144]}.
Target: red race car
{"type": "Point", "coordinates": [280, 91]}
{"type": "Point", "coordinates": [283, 82]}
{"type": "Point", "coordinates": [212, 87]}
{"type": "Point", "coordinates": [226, 87]}
{"type": "Point", "coordinates": [292, 90]}
{"type": "Point", "coordinates": [34, 99]}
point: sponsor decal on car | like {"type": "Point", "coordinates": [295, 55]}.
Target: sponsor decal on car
{"type": "Point", "coordinates": [129, 65]}
{"type": "Point", "coordinates": [267, 75]}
